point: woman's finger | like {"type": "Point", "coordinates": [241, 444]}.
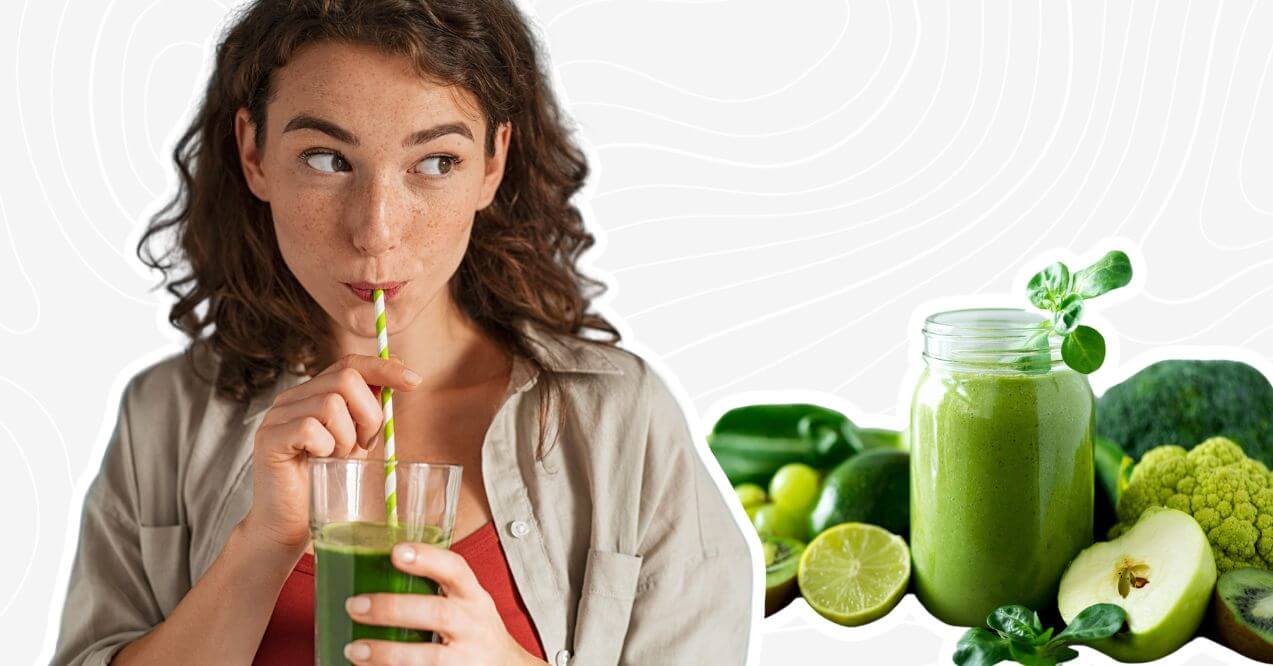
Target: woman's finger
{"type": "Point", "coordinates": [363, 405]}
{"type": "Point", "coordinates": [360, 453]}
{"type": "Point", "coordinates": [384, 372]}
{"type": "Point", "coordinates": [330, 409]}
{"type": "Point", "coordinates": [353, 385]}
{"type": "Point", "coordinates": [440, 565]}
{"type": "Point", "coordinates": [430, 612]}
{"type": "Point", "coordinates": [392, 653]}
{"type": "Point", "coordinates": [305, 434]}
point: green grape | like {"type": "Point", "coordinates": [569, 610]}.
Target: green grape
{"type": "Point", "coordinates": [750, 495]}
{"type": "Point", "coordinates": [795, 488]}
{"type": "Point", "coordinates": [776, 521]}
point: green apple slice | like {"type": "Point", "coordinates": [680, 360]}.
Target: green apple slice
{"type": "Point", "coordinates": [1161, 572]}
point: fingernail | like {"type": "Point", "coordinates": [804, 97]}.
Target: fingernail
{"type": "Point", "coordinates": [357, 652]}
{"type": "Point", "coordinates": [404, 552]}
{"type": "Point", "coordinates": [358, 605]}
{"type": "Point", "coordinates": [412, 376]}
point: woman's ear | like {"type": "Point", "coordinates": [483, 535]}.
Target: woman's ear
{"type": "Point", "coordinates": [249, 155]}
{"type": "Point", "coordinates": [495, 165]}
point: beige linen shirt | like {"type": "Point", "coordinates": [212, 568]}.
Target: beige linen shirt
{"type": "Point", "coordinates": [621, 545]}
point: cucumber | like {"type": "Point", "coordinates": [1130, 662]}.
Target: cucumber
{"type": "Point", "coordinates": [1113, 470]}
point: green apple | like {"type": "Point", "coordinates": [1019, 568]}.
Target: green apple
{"type": "Point", "coordinates": [1161, 572]}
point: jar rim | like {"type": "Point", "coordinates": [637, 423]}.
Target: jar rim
{"type": "Point", "coordinates": [990, 340]}
{"type": "Point", "coordinates": [982, 322]}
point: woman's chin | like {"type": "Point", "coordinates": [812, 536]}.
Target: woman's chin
{"type": "Point", "coordinates": [360, 321]}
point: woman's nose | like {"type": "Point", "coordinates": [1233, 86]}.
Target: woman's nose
{"type": "Point", "coordinates": [376, 216]}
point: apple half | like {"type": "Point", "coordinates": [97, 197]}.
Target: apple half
{"type": "Point", "coordinates": [1161, 572]}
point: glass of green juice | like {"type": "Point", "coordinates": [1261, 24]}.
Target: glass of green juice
{"type": "Point", "coordinates": [353, 538]}
{"type": "Point", "coordinates": [1001, 465]}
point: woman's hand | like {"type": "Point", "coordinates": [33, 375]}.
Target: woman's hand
{"type": "Point", "coordinates": [466, 618]}
{"type": "Point", "coordinates": [335, 414]}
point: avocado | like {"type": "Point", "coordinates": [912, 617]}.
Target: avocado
{"type": "Point", "coordinates": [871, 487]}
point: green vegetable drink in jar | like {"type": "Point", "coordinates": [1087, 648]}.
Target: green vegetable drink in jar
{"type": "Point", "coordinates": [1001, 465]}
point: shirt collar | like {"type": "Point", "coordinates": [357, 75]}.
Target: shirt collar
{"type": "Point", "coordinates": [566, 353]}
{"type": "Point", "coordinates": [556, 352]}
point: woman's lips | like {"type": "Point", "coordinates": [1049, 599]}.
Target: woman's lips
{"type": "Point", "coordinates": [363, 290]}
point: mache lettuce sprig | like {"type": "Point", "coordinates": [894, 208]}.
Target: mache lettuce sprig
{"type": "Point", "coordinates": [1063, 294]}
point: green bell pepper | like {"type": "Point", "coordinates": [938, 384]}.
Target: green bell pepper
{"type": "Point", "coordinates": [752, 442]}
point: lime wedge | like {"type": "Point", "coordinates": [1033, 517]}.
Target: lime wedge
{"type": "Point", "coordinates": [854, 573]}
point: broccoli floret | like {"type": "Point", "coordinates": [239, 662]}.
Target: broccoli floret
{"type": "Point", "coordinates": [1183, 402]}
{"type": "Point", "coordinates": [1229, 494]}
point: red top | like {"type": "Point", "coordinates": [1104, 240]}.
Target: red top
{"type": "Point", "coordinates": [289, 637]}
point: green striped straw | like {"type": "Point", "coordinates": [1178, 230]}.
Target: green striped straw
{"type": "Point", "coordinates": [386, 401]}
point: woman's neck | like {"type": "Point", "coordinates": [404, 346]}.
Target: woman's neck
{"type": "Point", "coordinates": [442, 343]}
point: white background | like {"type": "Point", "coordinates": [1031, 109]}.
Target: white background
{"type": "Point", "coordinates": [777, 194]}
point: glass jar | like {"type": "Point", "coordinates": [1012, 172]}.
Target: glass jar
{"type": "Point", "coordinates": [1001, 465]}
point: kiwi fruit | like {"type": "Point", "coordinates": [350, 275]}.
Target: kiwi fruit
{"type": "Point", "coordinates": [1244, 612]}
{"type": "Point", "coordinates": [782, 558]}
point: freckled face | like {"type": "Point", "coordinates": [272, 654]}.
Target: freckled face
{"type": "Point", "coordinates": [373, 174]}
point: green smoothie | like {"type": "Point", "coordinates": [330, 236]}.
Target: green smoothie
{"type": "Point", "coordinates": [1001, 487]}
{"type": "Point", "coordinates": [352, 559]}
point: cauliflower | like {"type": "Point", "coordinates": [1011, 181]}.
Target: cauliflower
{"type": "Point", "coordinates": [1229, 494]}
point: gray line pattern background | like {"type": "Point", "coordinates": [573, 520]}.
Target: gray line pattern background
{"type": "Point", "coordinates": [778, 194]}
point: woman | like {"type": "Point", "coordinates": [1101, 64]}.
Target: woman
{"type": "Point", "coordinates": [344, 145]}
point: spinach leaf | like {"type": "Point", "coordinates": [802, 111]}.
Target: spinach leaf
{"type": "Point", "coordinates": [981, 647]}
{"type": "Point", "coordinates": [1026, 653]}
{"type": "Point", "coordinates": [1066, 316]}
{"type": "Point", "coordinates": [1049, 285]}
{"type": "Point", "coordinates": [1083, 349]}
{"type": "Point", "coordinates": [1019, 636]}
{"type": "Point", "coordinates": [1064, 296]}
{"type": "Point", "coordinates": [1114, 270]}
{"type": "Point", "coordinates": [1015, 621]}
{"type": "Point", "coordinates": [1094, 623]}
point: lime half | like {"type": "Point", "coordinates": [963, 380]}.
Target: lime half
{"type": "Point", "coordinates": [854, 573]}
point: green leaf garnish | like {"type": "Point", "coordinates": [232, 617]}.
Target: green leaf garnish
{"type": "Point", "coordinates": [1049, 285]}
{"type": "Point", "coordinates": [1063, 296]}
{"type": "Point", "coordinates": [1019, 636]}
{"type": "Point", "coordinates": [1015, 621]}
{"type": "Point", "coordinates": [1114, 270]}
{"type": "Point", "coordinates": [1066, 316]}
{"type": "Point", "coordinates": [1094, 623]}
{"type": "Point", "coordinates": [1083, 349]}
{"type": "Point", "coordinates": [981, 647]}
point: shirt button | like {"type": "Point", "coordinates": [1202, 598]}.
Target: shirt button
{"type": "Point", "coordinates": [563, 658]}
{"type": "Point", "coordinates": [519, 529]}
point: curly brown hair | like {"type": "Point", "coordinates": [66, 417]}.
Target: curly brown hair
{"type": "Point", "coordinates": [522, 258]}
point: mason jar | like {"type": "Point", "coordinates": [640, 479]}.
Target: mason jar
{"type": "Point", "coordinates": [1001, 465]}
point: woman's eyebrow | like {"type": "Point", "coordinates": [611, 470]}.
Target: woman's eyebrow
{"type": "Point", "coordinates": [427, 135]}
{"type": "Point", "coordinates": [306, 121]}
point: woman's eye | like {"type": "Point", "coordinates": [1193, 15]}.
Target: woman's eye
{"type": "Point", "coordinates": [438, 165]}
{"type": "Point", "coordinates": [327, 162]}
